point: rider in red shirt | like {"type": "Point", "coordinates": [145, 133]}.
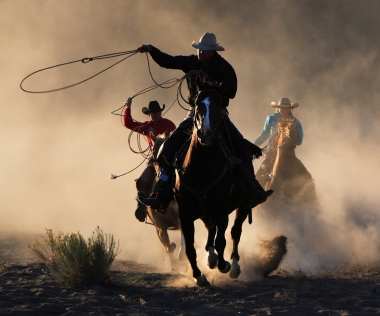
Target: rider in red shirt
{"type": "Point", "coordinates": [157, 125]}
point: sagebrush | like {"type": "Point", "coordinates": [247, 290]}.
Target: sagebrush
{"type": "Point", "coordinates": [73, 260]}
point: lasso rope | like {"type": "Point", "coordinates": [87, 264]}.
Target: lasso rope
{"type": "Point", "coordinates": [84, 61]}
{"type": "Point", "coordinates": [165, 85]}
{"type": "Point", "coordinates": [171, 82]}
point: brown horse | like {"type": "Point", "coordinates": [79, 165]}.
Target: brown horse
{"type": "Point", "coordinates": [282, 171]}
{"type": "Point", "coordinates": [161, 222]}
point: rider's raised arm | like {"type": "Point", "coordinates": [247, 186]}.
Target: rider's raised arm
{"type": "Point", "coordinates": [130, 123]}
{"type": "Point", "coordinates": [164, 60]}
{"type": "Point", "coordinates": [265, 133]}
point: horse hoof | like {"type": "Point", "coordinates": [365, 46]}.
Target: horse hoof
{"type": "Point", "coordinates": [201, 280]}
{"type": "Point", "coordinates": [226, 268]}
{"type": "Point", "coordinates": [235, 272]}
{"type": "Point", "coordinates": [235, 269]}
{"type": "Point", "coordinates": [212, 260]}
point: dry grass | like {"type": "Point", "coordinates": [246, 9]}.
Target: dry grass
{"type": "Point", "coordinates": [73, 260]}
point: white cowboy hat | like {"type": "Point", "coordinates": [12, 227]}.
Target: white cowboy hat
{"type": "Point", "coordinates": [207, 42]}
{"type": "Point", "coordinates": [284, 103]}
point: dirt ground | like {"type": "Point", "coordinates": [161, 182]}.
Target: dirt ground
{"type": "Point", "coordinates": [26, 288]}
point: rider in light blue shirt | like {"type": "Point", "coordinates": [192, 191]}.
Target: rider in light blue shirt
{"type": "Point", "coordinates": [284, 111]}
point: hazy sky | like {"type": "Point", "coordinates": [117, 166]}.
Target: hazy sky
{"type": "Point", "coordinates": [57, 149]}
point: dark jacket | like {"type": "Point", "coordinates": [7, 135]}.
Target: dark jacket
{"type": "Point", "coordinates": [219, 70]}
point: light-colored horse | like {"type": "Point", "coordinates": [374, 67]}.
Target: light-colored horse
{"type": "Point", "coordinates": [162, 222]}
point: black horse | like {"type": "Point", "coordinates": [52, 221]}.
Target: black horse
{"type": "Point", "coordinates": [206, 188]}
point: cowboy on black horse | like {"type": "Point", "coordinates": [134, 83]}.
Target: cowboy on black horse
{"type": "Point", "coordinates": [215, 74]}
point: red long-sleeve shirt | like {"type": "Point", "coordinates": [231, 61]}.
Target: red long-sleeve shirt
{"type": "Point", "coordinates": [163, 126]}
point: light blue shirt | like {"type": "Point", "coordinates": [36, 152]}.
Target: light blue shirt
{"type": "Point", "coordinates": [270, 129]}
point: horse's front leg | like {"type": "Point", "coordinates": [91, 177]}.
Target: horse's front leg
{"type": "Point", "coordinates": [220, 242]}
{"type": "Point", "coordinates": [188, 231]}
{"type": "Point", "coordinates": [236, 230]}
{"type": "Point", "coordinates": [212, 259]}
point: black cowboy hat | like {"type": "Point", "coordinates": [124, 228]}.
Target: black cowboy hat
{"type": "Point", "coordinates": [153, 107]}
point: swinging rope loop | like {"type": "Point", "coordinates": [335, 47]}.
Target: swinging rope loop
{"type": "Point", "coordinates": [84, 61]}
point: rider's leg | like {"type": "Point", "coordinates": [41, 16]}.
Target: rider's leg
{"type": "Point", "coordinates": [245, 150]}
{"type": "Point", "coordinates": [257, 194]}
{"type": "Point", "coordinates": [163, 193]}
{"type": "Point", "coordinates": [143, 185]}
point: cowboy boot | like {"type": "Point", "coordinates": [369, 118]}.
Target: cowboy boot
{"type": "Point", "coordinates": [256, 195]}
{"type": "Point", "coordinates": [160, 200]}
{"type": "Point", "coordinates": [141, 211]}
{"type": "Point", "coordinates": [162, 193]}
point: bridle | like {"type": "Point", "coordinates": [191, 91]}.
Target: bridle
{"type": "Point", "coordinates": [286, 135]}
{"type": "Point", "coordinates": [198, 121]}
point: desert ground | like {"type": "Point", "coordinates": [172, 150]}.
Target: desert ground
{"type": "Point", "coordinates": [26, 288]}
{"type": "Point", "coordinates": [58, 150]}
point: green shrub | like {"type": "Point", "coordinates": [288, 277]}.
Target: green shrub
{"type": "Point", "coordinates": [72, 260]}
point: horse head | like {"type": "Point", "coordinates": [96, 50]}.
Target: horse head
{"type": "Point", "coordinates": [208, 107]}
{"type": "Point", "coordinates": [156, 142]}
{"type": "Point", "coordinates": [287, 133]}
{"type": "Point", "coordinates": [284, 144]}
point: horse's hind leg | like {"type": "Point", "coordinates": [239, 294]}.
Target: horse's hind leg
{"type": "Point", "coordinates": [220, 244]}
{"type": "Point", "coordinates": [212, 259]}
{"type": "Point", "coordinates": [164, 238]}
{"type": "Point", "coordinates": [240, 217]}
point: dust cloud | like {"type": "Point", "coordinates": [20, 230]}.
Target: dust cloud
{"type": "Point", "coordinates": [58, 149]}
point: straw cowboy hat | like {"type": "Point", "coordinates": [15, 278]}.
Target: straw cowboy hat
{"type": "Point", "coordinates": [207, 42]}
{"type": "Point", "coordinates": [153, 108]}
{"type": "Point", "coordinates": [284, 103]}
